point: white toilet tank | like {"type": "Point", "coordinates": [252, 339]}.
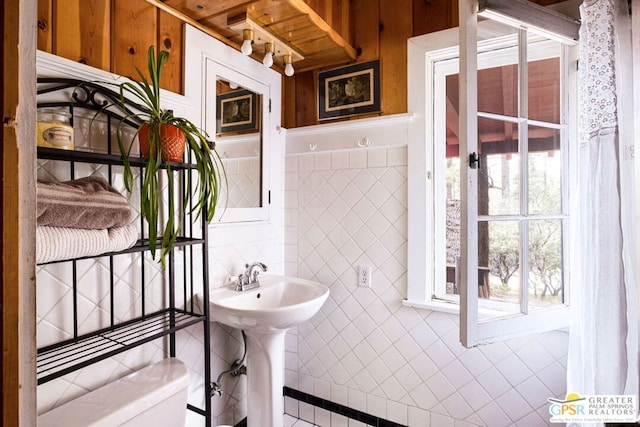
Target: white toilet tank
{"type": "Point", "coordinates": [153, 396]}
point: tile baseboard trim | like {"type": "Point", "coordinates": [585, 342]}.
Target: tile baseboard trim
{"type": "Point", "coordinates": [345, 411]}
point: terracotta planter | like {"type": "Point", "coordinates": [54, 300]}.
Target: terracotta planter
{"type": "Point", "coordinates": [172, 140]}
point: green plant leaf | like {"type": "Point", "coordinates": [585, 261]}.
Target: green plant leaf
{"type": "Point", "coordinates": [204, 174]}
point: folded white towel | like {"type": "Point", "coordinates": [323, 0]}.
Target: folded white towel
{"type": "Point", "coordinates": [58, 243]}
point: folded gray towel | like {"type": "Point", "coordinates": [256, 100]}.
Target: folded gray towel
{"type": "Point", "coordinates": [88, 203]}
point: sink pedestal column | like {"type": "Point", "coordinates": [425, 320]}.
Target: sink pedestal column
{"type": "Point", "coordinates": [265, 378]}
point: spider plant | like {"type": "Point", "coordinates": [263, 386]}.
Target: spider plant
{"type": "Point", "coordinates": [202, 190]}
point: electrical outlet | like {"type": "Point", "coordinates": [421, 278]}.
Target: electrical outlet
{"type": "Point", "coordinates": [364, 276]}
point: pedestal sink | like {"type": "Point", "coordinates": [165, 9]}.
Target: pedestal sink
{"type": "Point", "coordinates": [265, 314]}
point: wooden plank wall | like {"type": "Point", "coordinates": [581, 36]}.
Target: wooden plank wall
{"type": "Point", "coordinates": [112, 35]}
{"type": "Point", "coordinates": [82, 31]}
{"type": "Point", "coordinates": [379, 29]}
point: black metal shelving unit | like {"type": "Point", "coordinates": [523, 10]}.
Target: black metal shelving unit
{"type": "Point", "coordinates": [68, 356]}
{"type": "Point", "coordinates": [82, 350]}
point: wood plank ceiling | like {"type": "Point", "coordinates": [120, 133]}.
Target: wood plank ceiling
{"type": "Point", "coordinates": [292, 21]}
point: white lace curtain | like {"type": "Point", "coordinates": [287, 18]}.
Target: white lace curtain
{"type": "Point", "coordinates": [603, 345]}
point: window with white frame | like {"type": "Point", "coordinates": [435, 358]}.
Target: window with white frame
{"type": "Point", "coordinates": [520, 221]}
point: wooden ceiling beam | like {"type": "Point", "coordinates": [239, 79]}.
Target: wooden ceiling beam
{"type": "Point", "coordinates": [304, 8]}
{"type": "Point", "coordinates": [188, 20]}
{"type": "Point", "coordinates": [292, 21]}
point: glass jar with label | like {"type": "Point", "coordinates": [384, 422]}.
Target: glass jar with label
{"type": "Point", "coordinates": [54, 128]}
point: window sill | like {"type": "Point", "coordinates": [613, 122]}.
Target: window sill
{"type": "Point", "coordinates": [452, 307]}
{"type": "Point", "coordinates": [443, 306]}
{"type": "Point", "coordinates": [558, 318]}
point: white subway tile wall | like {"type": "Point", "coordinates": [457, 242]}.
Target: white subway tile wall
{"type": "Point", "coordinates": [366, 350]}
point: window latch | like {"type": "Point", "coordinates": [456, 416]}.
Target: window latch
{"type": "Point", "coordinates": [474, 160]}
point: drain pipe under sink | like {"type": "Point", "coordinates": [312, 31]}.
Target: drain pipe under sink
{"type": "Point", "coordinates": [237, 368]}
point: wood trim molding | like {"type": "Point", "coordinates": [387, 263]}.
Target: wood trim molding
{"type": "Point", "coordinates": [18, 221]}
{"type": "Point", "coordinates": [374, 132]}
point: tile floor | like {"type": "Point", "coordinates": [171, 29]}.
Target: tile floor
{"type": "Point", "coordinates": [290, 421]}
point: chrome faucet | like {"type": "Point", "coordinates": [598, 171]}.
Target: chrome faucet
{"type": "Point", "coordinates": [249, 279]}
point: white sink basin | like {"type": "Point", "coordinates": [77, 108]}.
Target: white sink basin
{"type": "Point", "coordinates": [264, 314]}
{"type": "Point", "coordinates": [279, 303]}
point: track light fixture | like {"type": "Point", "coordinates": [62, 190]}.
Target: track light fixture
{"type": "Point", "coordinates": [288, 65]}
{"type": "Point", "coordinates": [269, 51]}
{"type": "Point", "coordinates": [252, 33]}
{"type": "Point", "coordinates": [247, 37]}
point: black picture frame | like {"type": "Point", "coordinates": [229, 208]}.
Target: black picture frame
{"type": "Point", "coordinates": [349, 91]}
{"type": "Point", "coordinates": [237, 112]}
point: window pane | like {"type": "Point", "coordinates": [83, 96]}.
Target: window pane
{"type": "Point", "coordinates": [498, 90]}
{"type": "Point", "coordinates": [448, 148]}
{"type": "Point", "coordinates": [544, 79]}
{"type": "Point", "coordinates": [545, 263]}
{"type": "Point", "coordinates": [499, 173]}
{"type": "Point", "coordinates": [497, 87]}
{"type": "Point", "coordinates": [545, 171]}
{"type": "Point", "coordinates": [499, 262]}
{"type": "Point", "coordinates": [452, 225]}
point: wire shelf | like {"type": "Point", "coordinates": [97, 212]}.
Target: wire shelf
{"type": "Point", "coordinates": [68, 356]}
{"type": "Point", "coordinates": [142, 245]}
{"type": "Point", "coordinates": [79, 156]}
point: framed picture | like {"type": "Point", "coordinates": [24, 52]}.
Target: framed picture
{"type": "Point", "coordinates": [350, 90]}
{"type": "Point", "coordinates": [237, 112]}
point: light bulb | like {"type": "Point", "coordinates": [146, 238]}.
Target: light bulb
{"type": "Point", "coordinates": [233, 85]}
{"type": "Point", "coordinates": [269, 49]}
{"type": "Point", "coordinates": [288, 67]}
{"type": "Point", "coordinates": [268, 59]}
{"type": "Point", "coordinates": [288, 70]}
{"type": "Point", "coordinates": [246, 47]}
{"type": "Point", "coordinates": [247, 37]}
